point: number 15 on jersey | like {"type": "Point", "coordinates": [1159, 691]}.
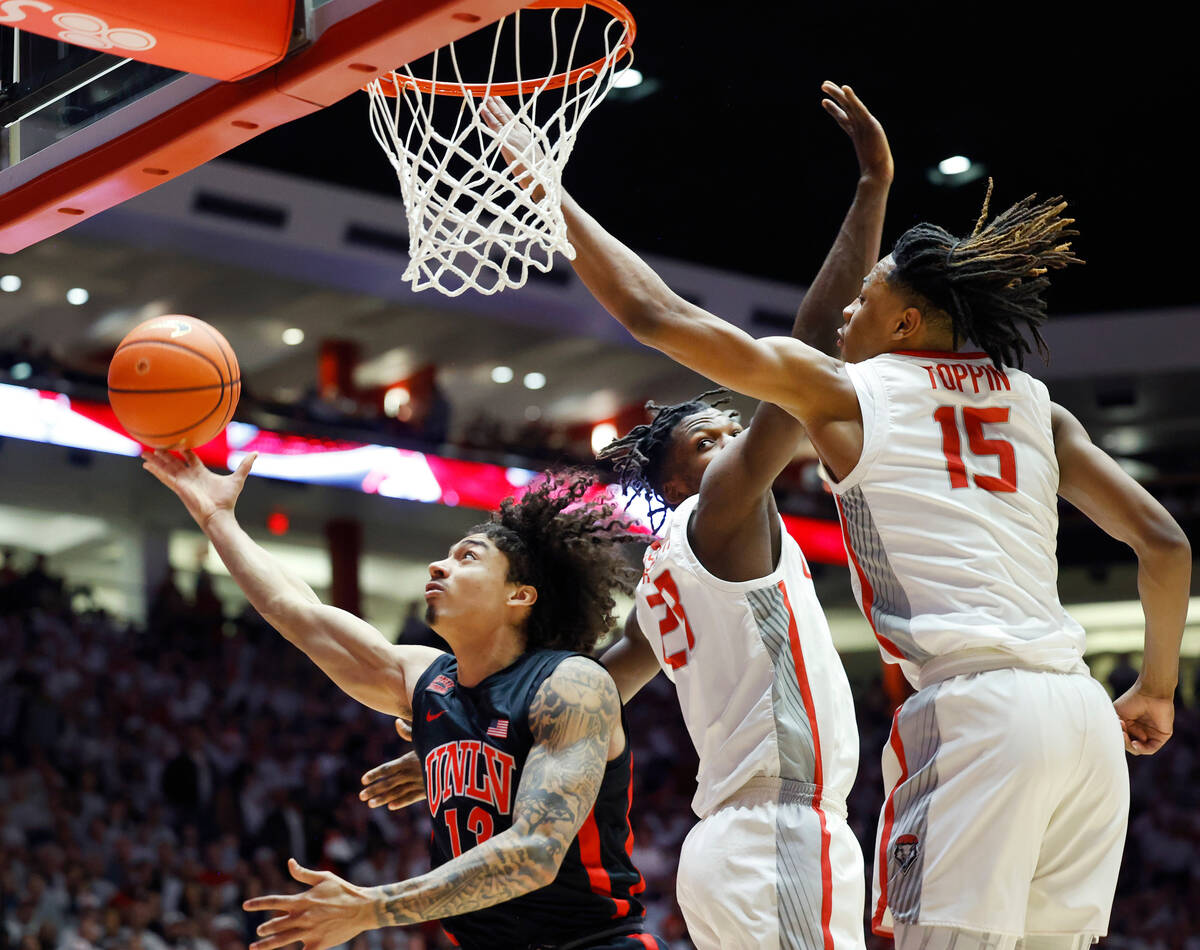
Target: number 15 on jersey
{"type": "Point", "coordinates": [973, 421]}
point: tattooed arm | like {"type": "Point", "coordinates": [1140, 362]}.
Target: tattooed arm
{"type": "Point", "coordinates": [575, 719]}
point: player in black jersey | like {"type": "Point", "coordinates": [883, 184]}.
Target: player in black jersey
{"type": "Point", "coordinates": [527, 763]}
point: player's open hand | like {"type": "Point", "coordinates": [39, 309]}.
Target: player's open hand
{"type": "Point", "coordinates": [202, 492]}
{"type": "Point", "coordinates": [1146, 721]}
{"type": "Point", "coordinates": [870, 142]}
{"type": "Point", "coordinates": [398, 783]}
{"type": "Point", "coordinates": [516, 143]}
{"type": "Point", "coordinates": [328, 914]}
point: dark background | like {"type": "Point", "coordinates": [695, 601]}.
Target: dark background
{"type": "Point", "coordinates": [731, 163]}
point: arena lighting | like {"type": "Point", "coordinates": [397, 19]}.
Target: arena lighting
{"type": "Point", "coordinates": [534, 380]}
{"type": "Point", "coordinates": [502, 374]}
{"type": "Point", "coordinates": [293, 336]}
{"type": "Point", "coordinates": [395, 402]}
{"type": "Point", "coordinates": [627, 78]}
{"type": "Point", "coordinates": [20, 371]}
{"type": "Point", "coordinates": [278, 523]}
{"type": "Point", "coordinates": [955, 171]}
{"type": "Point", "coordinates": [602, 434]}
{"type": "Point", "coordinates": [10, 283]}
{"type": "Point", "coordinates": [1124, 440]}
{"type": "Point", "coordinates": [384, 470]}
{"type": "Point", "coordinates": [77, 296]}
{"type": "Point", "coordinates": [954, 165]}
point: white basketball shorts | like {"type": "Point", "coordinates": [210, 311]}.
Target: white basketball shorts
{"type": "Point", "coordinates": [769, 870]}
{"type": "Point", "coordinates": [1007, 800]}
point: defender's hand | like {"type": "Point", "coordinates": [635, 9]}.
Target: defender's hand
{"type": "Point", "coordinates": [516, 142]}
{"type": "Point", "coordinates": [398, 783]}
{"type": "Point", "coordinates": [203, 493]}
{"type": "Point", "coordinates": [1146, 721]}
{"type": "Point", "coordinates": [870, 142]}
{"type": "Point", "coordinates": [330, 913]}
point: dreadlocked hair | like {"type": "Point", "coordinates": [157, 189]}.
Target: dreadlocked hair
{"type": "Point", "coordinates": [637, 457]}
{"type": "Point", "coordinates": [991, 283]}
{"type": "Point", "coordinates": [567, 547]}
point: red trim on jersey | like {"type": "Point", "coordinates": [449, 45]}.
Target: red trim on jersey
{"type": "Point", "coordinates": [450, 937]}
{"type": "Point", "coordinates": [868, 594]}
{"type": "Point", "coordinates": [645, 940]}
{"type": "Point", "coordinates": [589, 854]}
{"type": "Point", "coordinates": [802, 680]}
{"type": "Point", "coordinates": [889, 816]}
{"type": "Point", "coordinates": [941, 354]}
{"type": "Point", "coordinates": [811, 712]}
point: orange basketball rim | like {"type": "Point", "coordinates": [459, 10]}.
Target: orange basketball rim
{"type": "Point", "coordinates": [393, 83]}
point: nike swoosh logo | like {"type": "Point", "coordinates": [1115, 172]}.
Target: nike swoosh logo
{"type": "Point", "coordinates": [430, 717]}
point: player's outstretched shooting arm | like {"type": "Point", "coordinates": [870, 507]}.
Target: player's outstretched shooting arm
{"type": "Point", "coordinates": [801, 379]}
{"type": "Point", "coordinates": [737, 481]}
{"type": "Point", "coordinates": [780, 370]}
{"type": "Point", "coordinates": [1095, 484]}
{"type": "Point", "coordinates": [574, 717]}
{"type": "Point", "coordinates": [352, 653]}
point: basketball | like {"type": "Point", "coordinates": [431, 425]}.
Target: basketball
{"type": "Point", "coordinates": [174, 382]}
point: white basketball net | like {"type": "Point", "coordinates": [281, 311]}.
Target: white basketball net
{"type": "Point", "coordinates": [470, 224]}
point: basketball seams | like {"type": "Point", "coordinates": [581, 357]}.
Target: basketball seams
{"type": "Point", "coordinates": [176, 346]}
{"type": "Point", "coordinates": [188, 428]}
{"type": "Point", "coordinates": [229, 357]}
{"type": "Point", "coordinates": [222, 345]}
{"type": "Point", "coordinates": [226, 386]}
{"type": "Point", "coordinates": [233, 401]}
{"type": "Point", "coordinates": [141, 341]}
{"type": "Point", "coordinates": [197, 424]}
{"type": "Point", "coordinates": [175, 389]}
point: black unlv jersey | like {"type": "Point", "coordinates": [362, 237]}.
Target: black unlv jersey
{"type": "Point", "coordinates": [473, 742]}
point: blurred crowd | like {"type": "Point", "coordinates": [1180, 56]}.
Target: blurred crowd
{"type": "Point", "coordinates": [152, 778]}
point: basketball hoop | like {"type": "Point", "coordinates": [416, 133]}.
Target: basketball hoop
{"type": "Point", "coordinates": [470, 224]}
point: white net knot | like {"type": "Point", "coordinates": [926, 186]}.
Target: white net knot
{"type": "Point", "coordinates": [471, 222]}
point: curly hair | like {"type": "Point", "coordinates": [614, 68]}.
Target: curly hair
{"type": "Point", "coordinates": [567, 547]}
{"type": "Point", "coordinates": [990, 283]}
{"type": "Point", "coordinates": [637, 457]}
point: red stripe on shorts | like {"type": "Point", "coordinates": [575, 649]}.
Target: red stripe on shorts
{"type": "Point", "coordinates": [818, 776]}
{"type": "Point", "coordinates": [889, 816]}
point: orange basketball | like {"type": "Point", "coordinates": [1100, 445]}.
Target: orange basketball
{"type": "Point", "coordinates": [174, 382]}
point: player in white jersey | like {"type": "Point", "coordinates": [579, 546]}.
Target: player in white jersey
{"type": "Point", "coordinates": [772, 862]}
{"type": "Point", "coordinates": [726, 608]}
{"type": "Point", "coordinates": [1008, 794]}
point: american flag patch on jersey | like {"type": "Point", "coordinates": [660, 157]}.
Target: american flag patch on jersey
{"type": "Point", "coordinates": [498, 728]}
{"type": "Point", "coordinates": [441, 684]}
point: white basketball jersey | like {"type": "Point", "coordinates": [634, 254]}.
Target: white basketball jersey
{"type": "Point", "coordinates": [950, 517]}
{"type": "Point", "coordinates": [761, 687]}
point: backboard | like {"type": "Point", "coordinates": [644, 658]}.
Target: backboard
{"type": "Point", "coordinates": [83, 129]}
